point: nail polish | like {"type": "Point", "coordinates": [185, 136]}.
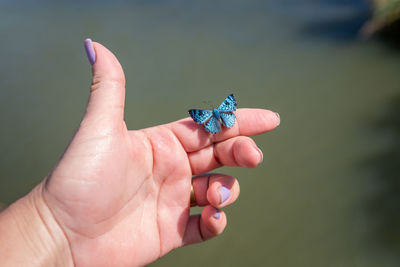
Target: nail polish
{"type": "Point", "coordinates": [225, 193]}
{"type": "Point", "coordinates": [91, 54]}
{"type": "Point", "coordinates": [217, 214]}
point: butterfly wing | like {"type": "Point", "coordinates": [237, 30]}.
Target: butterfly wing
{"type": "Point", "coordinates": [213, 125]}
{"type": "Point", "coordinates": [226, 109]}
{"type": "Point", "coordinates": [200, 116]}
{"type": "Point", "coordinates": [228, 119]}
{"type": "Point", "coordinates": [228, 105]}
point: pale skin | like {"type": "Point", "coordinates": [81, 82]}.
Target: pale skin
{"type": "Point", "coordinates": [121, 198]}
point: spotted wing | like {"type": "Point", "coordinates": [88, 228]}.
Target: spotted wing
{"type": "Point", "coordinates": [200, 116]}
{"type": "Point", "coordinates": [213, 125]}
{"type": "Point", "coordinates": [228, 105]}
{"type": "Point", "coordinates": [228, 119]}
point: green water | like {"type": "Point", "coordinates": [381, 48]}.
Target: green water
{"type": "Point", "coordinates": [327, 193]}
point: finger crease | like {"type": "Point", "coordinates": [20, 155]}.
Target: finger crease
{"type": "Point", "coordinates": [236, 163]}
{"type": "Point", "coordinates": [208, 181]}
{"type": "Point", "coordinates": [200, 232]}
{"type": "Point", "coordinates": [215, 155]}
{"type": "Point", "coordinates": [238, 127]}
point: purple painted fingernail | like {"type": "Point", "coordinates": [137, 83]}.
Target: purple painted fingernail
{"type": "Point", "coordinates": [225, 193]}
{"type": "Point", "coordinates": [90, 51]}
{"type": "Point", "coordinates": [217, 214]}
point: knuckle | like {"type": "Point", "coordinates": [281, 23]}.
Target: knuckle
{"type": "Point", "coordinates": [110, 81]}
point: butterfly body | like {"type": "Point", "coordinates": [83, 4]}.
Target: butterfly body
{"type": "Point", "coordinates": [213, 119]}
{"type": "Point", "coordinates": [216, 114]}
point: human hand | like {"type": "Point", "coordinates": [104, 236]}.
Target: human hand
{"type": "Point", "coordinates": [121, 198]}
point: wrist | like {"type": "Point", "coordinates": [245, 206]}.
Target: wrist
{"type": "Point", "coordinates": [30, 235]}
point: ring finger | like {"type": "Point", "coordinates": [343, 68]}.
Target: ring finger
{"type": "Point", "coordinates": [217, 190]}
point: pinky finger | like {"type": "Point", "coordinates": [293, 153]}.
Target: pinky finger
{"type": "Point", "coordinates": [209, 224]}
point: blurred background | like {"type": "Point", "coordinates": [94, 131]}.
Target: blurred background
{"type": "Point", "coordinates": [328, 191]}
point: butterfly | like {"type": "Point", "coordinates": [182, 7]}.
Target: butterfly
{"type": "Point", "coordinates": [212, 119]}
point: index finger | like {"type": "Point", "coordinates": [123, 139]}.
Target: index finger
{"type": "Point", "coordinates": [194, 137]}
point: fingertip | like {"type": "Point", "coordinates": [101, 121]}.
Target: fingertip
{"type": "Point", "coordinates": [106, 65]}
{"type": "Point", "coordinates": [270, 119]}
{"type": "Point", "coordinates": [201, 227]}
{"type": "Point", "coordinates": [107, 91]}
{"type": "Point", "coordinates": [218, 195]}
{"type": "Point", "coordinates": [223, 191]}
{"type": "Point", "coordinates": [213, 222]}
{"type": "Point", "coordinates": [246, 153]}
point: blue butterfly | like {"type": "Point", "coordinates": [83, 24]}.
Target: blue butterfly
{"type": "Point", "coordinates": [212, 119]}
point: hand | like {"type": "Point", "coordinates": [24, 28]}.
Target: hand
{"type": "Point", "coordinates": [121, 197]}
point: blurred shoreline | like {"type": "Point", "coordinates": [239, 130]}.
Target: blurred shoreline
{"type": "Point", "coordinates": [385, 18]}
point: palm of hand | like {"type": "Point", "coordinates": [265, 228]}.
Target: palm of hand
{"type": "Point", "coordinates": [126, 191]}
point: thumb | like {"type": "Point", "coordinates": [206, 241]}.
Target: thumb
{"type": "Point", "coordinates": [107, 92]}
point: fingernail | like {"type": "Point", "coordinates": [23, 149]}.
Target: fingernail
{"type": "Point", "coordinates": [225, 193]}
{"type": "Point", "coordinates": [90, 51]}
{"type": "Point", "coordinates": [260, 152]}
{"type": "Point", "coordinates": [217, 214]}
{"type": "Point", "coordinates": [261, 155]}
{"type": "Point", "coordinates": [279, 118]}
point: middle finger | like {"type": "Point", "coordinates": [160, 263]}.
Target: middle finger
{"type": "Point", "coordinates": [238, 151]}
